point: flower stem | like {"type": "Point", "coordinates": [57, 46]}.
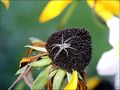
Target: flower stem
{"type": "Point", "coordinates": [67, 15]}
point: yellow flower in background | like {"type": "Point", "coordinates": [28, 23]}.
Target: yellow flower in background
{"type": "Point", "coordinates": [109, 63]}
{"type": "Point", "coordinates": [104, 8]}
{"type": "Point", "coordinates": [93, 82]}
{"type": "Point", "coordinates": [72, 85]}
{"type": "Point", "coordinates": [96, 83]}
{"type": "Point", "coordinates": [6, 3]}
{"type": "Point", "coordinates": [53, 9]}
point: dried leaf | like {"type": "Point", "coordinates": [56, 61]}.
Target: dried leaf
{"type": "Point", "coordinates": [35, 42]}
{"type": "Point", "coordinates": [42, 49]}
{"type": "Point", "coordinates": [41, 80]}
{"type": "Point", "coordinates": [41, 62]}
{"type": "Point", "coordinates": [19, 78]}
{"type": "Point", "coordinates": [39, 44]}
{"type": "Point", "coordinates": [81, 85]}
{"type": "Point", "coordinates": [83, 75]}
{"type": "Point", "coordinates": [27, 60]}
{"type": "Point", "coordinates": [82, 81]}
{"type": "Point", "coordinates": [58, 79]}
{"type": "Point", "coordinates": [28, 79]}
{"type": "Point", "coordinates": [49, 85]}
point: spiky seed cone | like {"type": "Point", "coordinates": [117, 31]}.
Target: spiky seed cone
{"type": "Point", "coordinates": [77, 57]}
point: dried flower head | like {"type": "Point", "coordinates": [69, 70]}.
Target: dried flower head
{"type": "Point", "coordinates": [70, 49]}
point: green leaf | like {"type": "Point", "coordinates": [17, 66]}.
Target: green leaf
{"type": "Point", "coordinates": [80, 77]}
{"type": "Point", "coordinates": [64, 83]}
{"type": "Point", "coordinates": [68, 76]}
{"type": "Point", "coordinates": [53, 73]}
{"type": "Point", "coordinates": [41, 80]}
{"type": "Point", "coordinates": [21, 70]}
{"type": "Point", "coordinates": [45, 57]}
{"type": "Point", "coordinates": [58, 79]}
{"type": "Point", "coordinates": [20, 85]}
{"type": "Point", "coordinates": [41, 62]}
{"type": "Point", "coordinates": [42, 49]}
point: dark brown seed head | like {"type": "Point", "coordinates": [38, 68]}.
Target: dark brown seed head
{"type": "Point", "coordinates": [70, 48]}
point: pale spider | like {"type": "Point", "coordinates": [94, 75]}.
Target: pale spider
{"type": "Point", "coordinates": [62, 46]}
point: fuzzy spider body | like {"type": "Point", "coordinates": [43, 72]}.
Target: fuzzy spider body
{"type": "Point", "coordinates": [70, 49]}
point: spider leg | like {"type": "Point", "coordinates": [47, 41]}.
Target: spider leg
{"type": "Point", "coordinates": [71, 48]}
{"type": "Point", "coordinates": [69, 39]}
{"type": "Point", "coordinates": [56, 44]}
{"type": "Point", "coordinates": [66, 51]}
{"type": "Point", "coordinates": [53, 48]}
{"type": "Point", "coordinates": [58, 53]}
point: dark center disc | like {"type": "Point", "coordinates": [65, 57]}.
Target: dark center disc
{"type": "Point", "coordinates": [70, 49]}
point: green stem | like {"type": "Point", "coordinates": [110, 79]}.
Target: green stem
{"type": "Point", "coordinates": [67, 15]}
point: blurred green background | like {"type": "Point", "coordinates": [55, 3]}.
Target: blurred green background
{"type": "Point", "coordinates": [20, 22]}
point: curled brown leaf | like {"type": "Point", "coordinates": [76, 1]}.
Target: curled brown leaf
{"type": "Point", "coordinates": [28, 78]}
